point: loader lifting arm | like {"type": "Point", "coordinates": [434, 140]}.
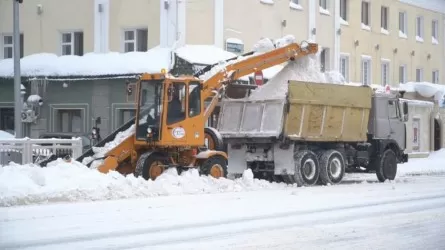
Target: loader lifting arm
{"type": "Point", "coordinates": [233, 71]}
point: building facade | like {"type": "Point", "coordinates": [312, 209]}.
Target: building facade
{"type": "Point", "coordinates": [383, 42]}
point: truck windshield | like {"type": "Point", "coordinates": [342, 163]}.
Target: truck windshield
{"type": "Point", "coordinates": [150, 108]}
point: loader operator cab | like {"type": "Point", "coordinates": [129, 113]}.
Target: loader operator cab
{"type": "Point", "coordinates": [181, 99]}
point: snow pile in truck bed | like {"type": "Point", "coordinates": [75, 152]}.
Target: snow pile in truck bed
{"type": "Point", "coordinates": [434, 164]}
{"type": "Point", "coordinates": [306, 69]}
{"type": "Point", "coordinates": [101, 151]}
{"type": "Point", "coordinates": [62, 181]}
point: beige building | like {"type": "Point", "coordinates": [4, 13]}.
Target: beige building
{"type": "Point", "coordinates": [378, 41]}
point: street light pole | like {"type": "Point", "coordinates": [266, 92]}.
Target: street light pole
{"type": "Point", "coordinates": [17, 81]}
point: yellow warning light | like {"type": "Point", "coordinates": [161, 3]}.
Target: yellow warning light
{"type": "Point", "coordinates": [163, 71]}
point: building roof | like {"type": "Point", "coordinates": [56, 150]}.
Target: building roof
{"type": "Point", "coordinates": [433, 5]}
{"type": "Point", "coordinates": [93, 65]}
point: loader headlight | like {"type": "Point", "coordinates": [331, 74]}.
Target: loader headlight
{"type": "Point", "coordinates": [149, 130]}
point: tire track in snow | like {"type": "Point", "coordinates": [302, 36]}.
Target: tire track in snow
{"type": "Point", "coordinates": [158, 236]}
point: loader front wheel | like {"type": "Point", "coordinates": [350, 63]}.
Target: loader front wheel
{"type": "Point", "coordinates": [215, 166]}
{"type": "Point", "coordinates": [152, 167]}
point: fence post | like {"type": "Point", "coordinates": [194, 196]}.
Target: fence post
{"type": "Point", "coordinates": [77, 147]}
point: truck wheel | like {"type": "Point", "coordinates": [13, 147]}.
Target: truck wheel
{"type": "Point", "coordinates": [150, 166]}
{"type": "Point", "coordinates": [387, 167]}
{"type": "Point", "coordinates": [213, 139]}
{"type": "Point", "coordinates": [215, 166]}
{"type": "Point", "coordinates": [332, 167]}
{"type": "Point", "coordinates": [307, 168]}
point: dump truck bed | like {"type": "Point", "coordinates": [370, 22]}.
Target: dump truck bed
{"type": "Point", "coordinates": [311, 112]}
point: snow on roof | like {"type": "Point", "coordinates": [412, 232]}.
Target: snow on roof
{"type": "Point", "coordinates": [267, 73]}
{"type": "Point", "coordinates": [90, 64]}
{"type": "Point", "coordinates": [425, 89]}
{"type": "Point", "coordinates": [203, 54]}
{"type": "Point", "coordinates": [433, 5]}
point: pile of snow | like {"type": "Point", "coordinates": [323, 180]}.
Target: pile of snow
{"type": "Point", "coordinates": [307, 69]}
{"type": "Point", "coordinates": [203, 54]}
{"type": "Point", "coordinates": [90, 64]}
{"type": "Point", "coordinates": [5, 135]}
{"type": "Point", "coordinates": [434, 164]}
{"type": "Point", "coordinates": [101, 151]}
{"type": "Point", "coordinates": [61, 181]}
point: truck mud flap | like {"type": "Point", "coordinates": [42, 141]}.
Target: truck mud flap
{"type": "Point", "coordinates": [251, 119]}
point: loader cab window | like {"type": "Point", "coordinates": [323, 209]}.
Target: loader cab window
{"type": "Point", "coordinates": [150, 107]}
{"type": "Point", "coordinates": [194, 99]}
{"type": "Point", "coordinates": [176, 102]}
{"type": "Point", "coordinates": [393, 109]}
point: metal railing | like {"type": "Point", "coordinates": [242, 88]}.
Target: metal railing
{"type": "Point", "coordinates": [25, 151]}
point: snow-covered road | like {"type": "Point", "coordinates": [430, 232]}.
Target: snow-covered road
{"type": "Point", "coordinates": [407, 214]}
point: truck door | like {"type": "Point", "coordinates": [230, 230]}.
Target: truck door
{"type": "Point", "coordinates": [396, 123]}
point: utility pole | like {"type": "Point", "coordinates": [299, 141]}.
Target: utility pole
{"type": "Point", "coordinates": [17, 81]}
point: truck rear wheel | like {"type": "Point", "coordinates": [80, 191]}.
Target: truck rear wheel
{"type": "Point", "coordinates": [387, 166]}
{"type": "Point", "coordinates": [332, 167]}
{"type": "Point", "coordinates": [307, 168]}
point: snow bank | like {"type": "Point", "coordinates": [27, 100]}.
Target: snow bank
{"type": "Point", "coordinates": [434, 164]}
{"type": "Point", "coordinates": [62, 181]}
{"type": "Point", "coordinates": [203, 54]}
{"type": "Point", "coordinates": [5, 135]}
{"type": "Point", "coordinates": [90, 64]}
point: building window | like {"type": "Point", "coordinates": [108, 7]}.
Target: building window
{"type": "Point", "coordinates": [365, 13]}
{"type": "Point", "coordinates": [419, 74]}
{"type": "Point", "coordinates": [344, 66]}
{"type": "Point", "coordinates": [384, 17]}
{"type": "Point", "coordinates": [295, 1]}
{"type": "Point", "coordinates": [435, 31]}
{"type": "Point", "coordinates": [435, 76]}
{"type": "Point", "coordinates": [402, 74]}
{"type": "Point", "coordinates": [419, 29]}
{"type": "Point", "coordinates": [235, 45]}
{"type": "Point", "coordinates": [324, 59]}
{"type": "Point", "coordinates": [136, 40]}
{"type": "Point", "coordinates": [7, 119]}
{"type": "Point", "coordinates": [344, 9]}
{"type": "Point", "coordinates": [385, 73]}
{"type": "Point", "coordinates": [324, 4]}
{"type": "Point", "coordinates": [8, 46]}
{"type": "Point", "coordinates": [402, 25]}
{"type": "Point", "coordinates": [125, 115]}
{"type": "Point", "coordinates": [69, 121]}
{"type": "Point", "coordinates": [72, 43]}
{"type": "Point", "coordinates": [366, 71]}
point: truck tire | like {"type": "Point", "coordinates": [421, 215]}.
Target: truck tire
{"type": "Point", "coordinates": [307, 168]}
{"type": "Point", "coordinates": [215, 166]}
{"type": "Point", "coordinates": [387, 167]}
{"type": "Point", "coordinates": [332, 167]}
{"type": "Point", "coordinates": [214, 139]}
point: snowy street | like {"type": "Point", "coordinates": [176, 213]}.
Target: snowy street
{"type": "Point", "coordinates": [408, 213]}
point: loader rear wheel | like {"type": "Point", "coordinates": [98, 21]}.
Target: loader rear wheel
{"type": "Point", "coordinates": [307, 168]}
{"type": "Point", "coordinates": [215, 166]}
{"type": "Point", "coordinates": [332, 167]}
{"type": "Point", "coordinates": [213, 139]}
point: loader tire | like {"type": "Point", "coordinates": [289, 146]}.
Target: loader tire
{"type": "Point", "coordinates": [386, 168]}
{"type": "Point", "coordinates": [332, 167]}
{"type": "Point", "coordinates": [215, 166]}
{"type": "Point", "coordinates": [150, 166]}
{"type": "Point", "coordinates": [213, 139]}
{"type": "Point", "coordinates": [307, 168]}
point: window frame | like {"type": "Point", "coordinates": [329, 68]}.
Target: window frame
{"type": "Point", "coordinates": [368, 60]}
{"type": "Point", "coordinates": [385, 80]}
{"type": "Point", "coordinates": [368, 14]}
{"type": "Point", "coordinates": [344, 9]}
{"type": "Point", "coordinates": [402, 66]}
{"type": "Point", "coordinates": [403, 23]}
{"type": "Point", "coordinates": [72, 43]}
{"type": "Point", "coordinates": [420, 32]}
{"type": "Point", "coordinates": [419, 74]}
{"type": "Point", "coordinates": [435, 76]}
{"type": "Point", "coordinates": [345, 58]}
{"type": "Point", "coordinates": [384, 25]}
{"type": "Point", "coordinates": [135, 41]}
{"type": "Point", "coordinates": [325, 3]}
{"type": "Point", "coordinates": [11, 45]}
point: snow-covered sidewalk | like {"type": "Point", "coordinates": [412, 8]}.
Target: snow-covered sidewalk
{"type": "Point", "coordinates": [63, 182]}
